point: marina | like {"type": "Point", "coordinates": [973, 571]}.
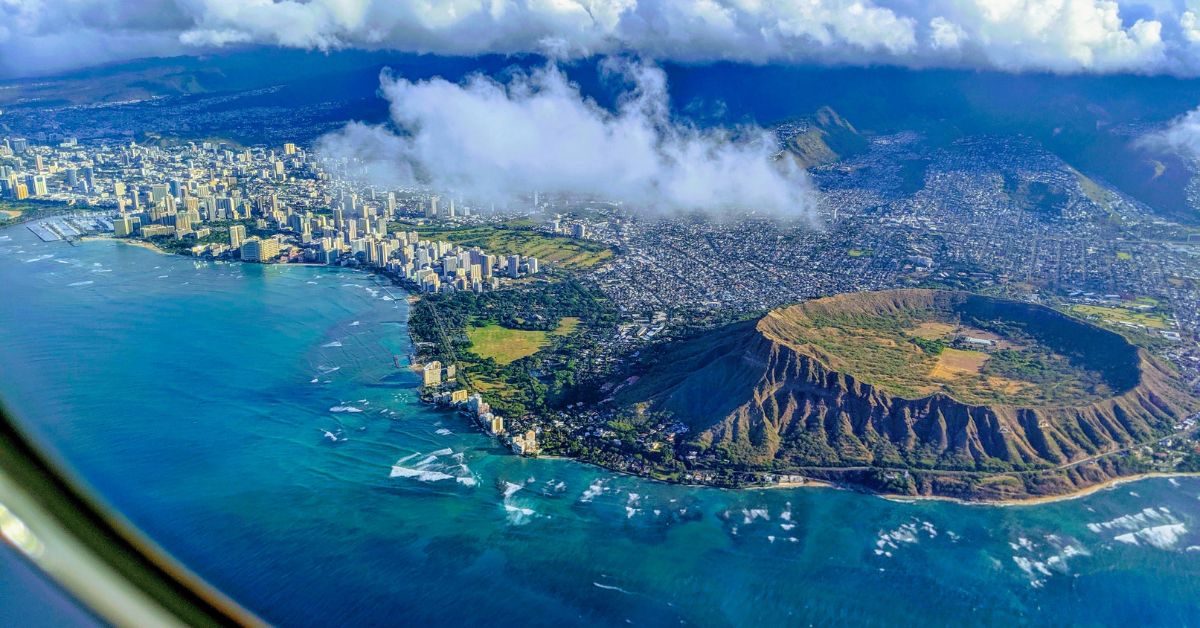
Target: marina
{"type": "Point", "coordinates": [68, 226]}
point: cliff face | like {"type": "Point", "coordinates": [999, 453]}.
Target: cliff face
{"type": "Point", "coordinates": [761, 401]}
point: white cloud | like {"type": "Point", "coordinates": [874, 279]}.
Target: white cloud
{"type": "Point", "coordinates": [496, 141]}
{"type": "Point", "coordinates": [945, 35]}
{"type": "Point", "coordinates": [1039, 35]}
{"type": "Point", "coordinates": [1181, 135]}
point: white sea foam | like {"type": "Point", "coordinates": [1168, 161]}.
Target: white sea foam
{"type": "Point", "coordinates": [630, 512]}
{"type": "Point", "coordinates": [345, 409]}
{"type": "Point", "coordinates": [1164, 536]}
{"type": "Point", "coordinates": [611, 588]}
{"type": "Point", "coordinates": [467, 481]}
{"type": "Point", "coordinates": [81, 283]}
{"type": "Point", "coordinates": [354, 324]}
{"type": "Point", "coordinates": [592, 492]}
{"type": "Point", "coordinates": [787, 526]}
{"type": "Point", "coordinates": [754, 513]}
{"type": "Point", "coordinates": [510, 489]}
{"type": "Point", "coordinates": [421, 474]}
{"type": "Point", "coordinates": [1157, 527]}
{"type": "Point", "coordinates": [314, 380]}
{"type": "Point", "coordinates": [387, 299]}
{"type": "Point", "coordinates": [906, 533]}
{"type": "Point", "coordinates": [328, 369]}
{"type": "Point", "coordinates": [442, 452]}
{"type": "Point", "coordinates": [444, 432]}
{"type": "Point", "coordinates": [335, 343]}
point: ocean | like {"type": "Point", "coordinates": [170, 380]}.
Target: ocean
{"type": "Point", "coordinates": [250, 420]}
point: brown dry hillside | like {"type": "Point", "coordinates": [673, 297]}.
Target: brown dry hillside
{"type": "Point", "coordinates": [757, 395]}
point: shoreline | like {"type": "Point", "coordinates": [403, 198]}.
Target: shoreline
{"type": "Point", "coordinates": [138, 243]}
{"type": "Point", "coordinates": [1042, 499]}
{"type": "Point", "coordinates": [904, 499]}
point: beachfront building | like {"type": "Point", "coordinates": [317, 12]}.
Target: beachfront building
{"type": "Point", "coordinates": [433, 373]}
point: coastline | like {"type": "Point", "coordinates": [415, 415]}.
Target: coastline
{"type": "Point", "coordinates": [130, 242]}
{"type": "Point", "coordinates": [1043, 499]}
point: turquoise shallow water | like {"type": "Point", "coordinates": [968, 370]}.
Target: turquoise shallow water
{"type": "Point", "coordinates": [183, 393]}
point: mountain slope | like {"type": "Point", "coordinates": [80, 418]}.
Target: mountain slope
{"type": "Point", "coordinates": [756, 399]}
{"type": "Point", "coordinates": [823, 138]}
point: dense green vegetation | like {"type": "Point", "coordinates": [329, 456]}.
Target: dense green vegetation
{"type": "Point", "coordinates": [1038, 196]}
{"type": "Point", "coordinates": [443, 325]}
{"type": "Point", "coordinates": [28, 210]}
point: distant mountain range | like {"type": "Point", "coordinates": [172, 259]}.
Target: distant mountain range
{"type": "Point", "coordinates": [1091, 122]}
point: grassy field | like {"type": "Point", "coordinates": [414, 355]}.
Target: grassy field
{"type": "Point", "coordinates": [1121, 315]}
{"type": "Point", "coordinates": [506, 345]}
{"type": "Point", "coordinates": [883, 352]}
{"type": "Point", "coordinates": [563, 251]}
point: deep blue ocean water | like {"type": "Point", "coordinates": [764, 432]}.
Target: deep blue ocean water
{"type": "Point", "coordinates": [195, 398]}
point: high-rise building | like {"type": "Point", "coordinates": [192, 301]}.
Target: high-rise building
{"type": "Point", "coordinates": [433, 373]}
{"type": "Point", "coordinates": [289, 149]}
{"type": "Point", "coordinates": [123, 227]}
{"type": "Point", "coordinates": [72, 177]}
{"type": "Point", "coordinates": [532, 265]}
{"type": "Point", "coordinates": [257, 250]}
{"type": "Point", "coordinates": [237, 234]}
{"type": "Point", "coordinates": [432, 211]}
{"type": "Point", "coordinates": [36, 184]}
{"type": "Point", "coordinates": [514, 265]}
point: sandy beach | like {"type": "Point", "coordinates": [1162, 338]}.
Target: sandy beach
{"type": "Point", "coordinates": [9, 214]}
{"type": "Point", "coordinates": [1046, 499]}
{"type": "Point", "coordinates": [140, 243]}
